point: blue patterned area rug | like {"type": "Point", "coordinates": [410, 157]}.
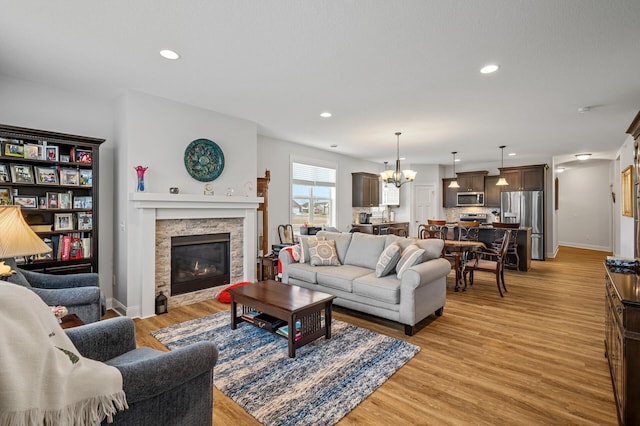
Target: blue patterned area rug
{"type": "Point", "coordinates": [326, 379]}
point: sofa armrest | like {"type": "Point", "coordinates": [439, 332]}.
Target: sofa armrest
{"type": "Point", "coordinates": [40, 280]}
{"type": "Point", "coordinates": [150, 376]}
{"type": "Point", "coordinates": [425, 273]}
{"type": "Point", "coordinates": [104, 340]}
{"type": "Point", "coordinates": [284, 259]}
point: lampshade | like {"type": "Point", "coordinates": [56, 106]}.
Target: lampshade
{"type": "Point", "coordinates": [501, 180]}
{"type": "Point", "coordinates": [16, 237]}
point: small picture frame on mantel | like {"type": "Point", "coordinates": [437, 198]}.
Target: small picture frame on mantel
{"type": "Point", "coordinates": [627, 192]}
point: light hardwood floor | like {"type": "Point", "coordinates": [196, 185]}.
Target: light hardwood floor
{"type": "Point", "coordinates": [535, 357]}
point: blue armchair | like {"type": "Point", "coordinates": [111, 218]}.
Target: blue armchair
{"type": "Point", "coordinates": [162, 388]}
{"type": "Point", "coordinates": [79, 293]}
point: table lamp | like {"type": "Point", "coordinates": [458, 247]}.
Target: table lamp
{"type": "Point", "coordinates": [17, 238]}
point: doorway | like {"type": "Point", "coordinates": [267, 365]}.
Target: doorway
{"type": "Point", "coordinates": [424, 206]}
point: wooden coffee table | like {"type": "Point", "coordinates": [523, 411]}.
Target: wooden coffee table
{"type": "Point", "coordinates": [289, 303]}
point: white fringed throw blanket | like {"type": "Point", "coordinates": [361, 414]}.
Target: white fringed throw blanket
{"type": "Point", "coordinates": [43, 378]}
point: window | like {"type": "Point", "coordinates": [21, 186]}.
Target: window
{"type": "Point", "coordinates": [313, 199]}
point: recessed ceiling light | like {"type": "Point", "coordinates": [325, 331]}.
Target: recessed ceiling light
{"type": "Point", "coordinates": [511, 154]}
{"type": "Point", "coordinates": [584, 109]}
{"type": "Point", "coordinates": [583, 157]}
{"type": "Point", "coordinates": [169, 54]}
{"type": "Point", "coordinates": [325, 114]}
{"type": "Point", "coordinates": [457, 160]}
{"type": "Point", "coordinates": [560, 169]}
{"type": "Point", "coordinates": [488, 69]}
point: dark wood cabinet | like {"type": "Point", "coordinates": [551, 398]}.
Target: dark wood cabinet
{"type": "Point", "coordinates": [54, 177]}
{"type": "Point", "coordinates": [449, 195]}
{"type": "Point", "coordinates": [622, 342]}
{"type": "Point", "coordinates": [491, 192]}
{"type": "Point", "coordinates": [365, 190]}
{"type": "Point", "coordinates": [471, 181]}
{"type": "Point", "coordinates": [525, 178]}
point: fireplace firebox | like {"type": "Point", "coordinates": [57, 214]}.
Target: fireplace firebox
{"type": "Point", "coordinates": [199, 262]}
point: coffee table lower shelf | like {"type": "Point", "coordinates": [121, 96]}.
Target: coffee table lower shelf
{"type": "Point", "coordinates": [283, 302]}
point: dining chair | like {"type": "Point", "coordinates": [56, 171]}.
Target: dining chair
{"type": "Point", "coordinates": [489, 260]}
{"type": "Point", "coordinates": [512, 250]}
{"type": "Point", "coordinates": [467, 231]}
{"type": "Point", "coordinates": [285, 234]}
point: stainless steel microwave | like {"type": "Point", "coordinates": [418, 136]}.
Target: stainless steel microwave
{"type": "Point", "coordinates": [466, 199]}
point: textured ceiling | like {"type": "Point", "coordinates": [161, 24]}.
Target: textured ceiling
{"type": "Point", "coordinates": [378, 66]}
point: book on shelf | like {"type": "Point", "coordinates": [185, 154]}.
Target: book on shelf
{"type": "Point", "coordinates": [86, 247]}
{"type": "Point", "coordinates": [65, 247]}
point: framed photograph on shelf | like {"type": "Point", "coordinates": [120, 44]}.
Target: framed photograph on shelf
{"type": "Point", "coordinates": [4, 173]}
{"type": "Point", "coordinates": [21, 173]}
{"type": "Point", "coordinates": [26, 201]}
{"type": "Point", "coordinates": [82, 156]}
{"type": "Point", "coordinates": [42, 202]}
{"type": "Point", "coordinates": [63, 222]}
{"type": "Point", "coordinates": [46, 175]}
{"type": "Point", "coordinates": [52, 200]}
{"type": "Point", "coordinates": [13, 149]}
{"type": "Point", "coordinates": [51, 153]}
{"type": "Point", "coordinates": [64, 200]}
{"type": "Point", "coordinates": [33, 151]}
{"type": "Point", "coordinates": [5, 197]}
{"type": "Point", "coordinates": [86, 177]}
{"type": "Point", "coordinates": [84, 202]}
{"type": "Point", "coordinates": [69, 177]}
{"type": "Point", "coordinates": [64, 158]}
{"type": "Point", "coordinates": [85, 221]}
{"type": "Point", "coordinates": [48, 255]}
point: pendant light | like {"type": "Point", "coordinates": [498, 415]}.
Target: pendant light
{"type": "Point", "coordinates": [454, 182]}
{"type": "Point", "coordinates": [502, 181]}
{"type": "Point", "coordinates": [398, 177]}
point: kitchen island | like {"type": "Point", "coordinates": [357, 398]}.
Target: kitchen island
{"type": "Point", "coordinates": [381, 228]}
{"type": "Point", "coordinates": [487, 236]}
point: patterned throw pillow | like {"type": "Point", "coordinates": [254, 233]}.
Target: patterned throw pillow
{"type": "Point", "coordinates": [388, 260]}
{"type": "Point", "coordinates": [304, 245]}
{"type": "Point", "coordinates": [412, 258]}
{"type": "Point", "coordinates": [323, 253]}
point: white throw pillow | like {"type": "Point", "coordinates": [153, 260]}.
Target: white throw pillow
{"type": "Point", "coordinates": [405, 255]}
{"type": "Point", "coordinates": [304, 244]}
{"type": "Point", "coordinates": [388, 260]}
{"type": "Point", "coordinates": [323, 253]}
{"type": "Point", "coordinates": [412, 258]}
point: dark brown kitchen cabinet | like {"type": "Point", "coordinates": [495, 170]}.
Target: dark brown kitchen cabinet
{"type": "Point", "coordinates": [365, 190]}
{"type": "Point", "coordinates": [622, 344]}
{"type": "Point", "coordinates": [449, 195]}
{"type": "Point", "coordinates": [525, 178]}
{"type": "Point", "coordinates": [471, 181]}
{"type": "Point", "coordinates": [491, 192]}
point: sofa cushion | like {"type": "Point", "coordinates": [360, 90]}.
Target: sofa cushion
{"type": "Point", "coordinates": [342, 239]}
{"type": "Point", "coordinates": [410, 258]}
{"type": "Point", "coordinates": [341, 278]}
{"type": "Point", "coordinates": [388, 260]}
{"type": "Point", "coordinates": [364, 250]}
{"type": "Point", "coordinates": [323, 253]}
{"type": "Point", "coordinates": [304, 248]}
{"type": "Point", "coordinates": [385, 289]}
{"type": "Point", "coordinates": [432, 248]}
{"type": "Point", "coordinates": [303, 271]}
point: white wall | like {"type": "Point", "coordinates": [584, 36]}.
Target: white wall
{"type": "Point", "coordinates": [27, 104]}
{"type": "Point", "coordinates": [275, 155]}
{"type": "Point", "coordinates": [154, 132]}
{"type": "Point", "coordinates": [626, 223]}
{"type": "Point", "coordinates": [585, 217]}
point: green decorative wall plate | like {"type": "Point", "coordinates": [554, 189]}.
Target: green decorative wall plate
{"type": "Point", "coordinates": [204, 160]}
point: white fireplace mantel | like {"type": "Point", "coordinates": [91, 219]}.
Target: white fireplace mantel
{"type": "Point", "coordinates": [158, 206]}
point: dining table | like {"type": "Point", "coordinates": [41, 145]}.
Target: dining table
{"type": "Point", "coordinates": [460, 250]}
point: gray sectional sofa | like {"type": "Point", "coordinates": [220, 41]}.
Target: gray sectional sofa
{"type": "Point", "coordinates": [420, 292]}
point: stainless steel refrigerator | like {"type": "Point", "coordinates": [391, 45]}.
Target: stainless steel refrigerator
{"type": "Point", "coordinates": [527, 209]}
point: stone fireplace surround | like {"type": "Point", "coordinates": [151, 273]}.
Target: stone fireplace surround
{"type": "Point", "coordinates": [189, 212]}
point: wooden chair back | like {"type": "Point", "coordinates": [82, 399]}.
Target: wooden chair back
{"type": "Point", "coordinates": [285, 234]}
{"type": "Point", "coordinates": [467, 231]}
{"type": "Point", "coordinates": [401, 232]}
